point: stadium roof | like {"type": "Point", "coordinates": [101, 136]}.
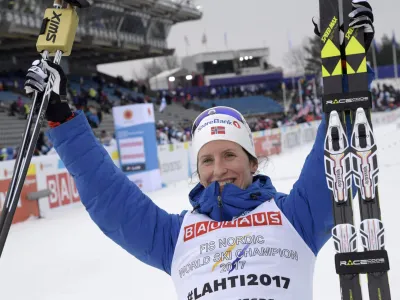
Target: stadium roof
{"type": "Point", "coordinates": [109, 31]}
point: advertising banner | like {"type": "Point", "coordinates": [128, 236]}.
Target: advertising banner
{"type": "Point", "coordinates": [26, 208]}
{"type": "Point", "coordinates": [53, 176]}
{"type": "Point", "coordinates": [137, 145]}
{"type": "Point", "coordinates": [174, 162]}
{"type": "Point", "coordinates": [291, 137]}
{"type": "Point", "coordinates": [267, 142]}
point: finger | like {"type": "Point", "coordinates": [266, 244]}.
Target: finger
{"type": "Point", "coordinates": [357, 3]}
{"type": "Point", "coordinates": [38, 80]}
{"type": "Point", "coordinates": [33, 85]}
{"type": "Point", "coordinates": [364, 20]}
{"type": "Point", "coordinates": [28, 90]}
{"type": "Point", "coordinates": [367, 28]}
{"type": "Point", "coordinates": [38, 71]}
{"type": "Point", "coordinates": [362, 11]}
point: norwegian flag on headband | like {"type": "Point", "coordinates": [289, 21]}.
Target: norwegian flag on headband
{"type": "Point", "coordinates": [217, 130]}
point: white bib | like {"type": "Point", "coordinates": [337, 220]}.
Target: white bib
{"type": "Point", "coordinates": [258, 256]}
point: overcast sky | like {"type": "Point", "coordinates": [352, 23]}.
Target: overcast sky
{"type": "Point", "coordinates": [256, 23]}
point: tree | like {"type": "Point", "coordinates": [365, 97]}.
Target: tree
{"type": "Point", "coordinates": [306, 59]}
{"type": "Point", "coordinates": [296, 60]}
{"type": "Point", "coordinates": [385, 55]}
{"type": "Point", "coordinates": [157, 65]}
{"type": "Point", "coordinates": [313, 55]}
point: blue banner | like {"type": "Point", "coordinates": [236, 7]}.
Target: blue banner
{"type": "Point", "coordinates": [135, 134]}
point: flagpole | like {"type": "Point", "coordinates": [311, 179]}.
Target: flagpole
{"type": "Point", "coordinates": [284, 97]}
{"type": "Point", "coordinates": [395, 61]}
{"type": "Point", "coordinates": [394, 49]}
{"type": "Point", "coordinates": [187, 45]}
{"type": "Point", "coordinates": [300, 91]}
{"type": "Point", "coordinates": [314, 81]}
{"type": "Point", "coordinates": [374, 61]}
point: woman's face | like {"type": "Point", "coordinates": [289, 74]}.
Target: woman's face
{"type": "Point", "coordinates": [225, 162]}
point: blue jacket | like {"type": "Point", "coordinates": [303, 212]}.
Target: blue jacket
{"type": "Point", "coordinates": [132, 220]}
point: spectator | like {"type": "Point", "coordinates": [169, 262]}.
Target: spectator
{"type": "Point", "coordinates": [92, 117]}
{"type": "Point", "coordinates": [13, 109]}
{"type": "Point", "coordinates": [105, 138]}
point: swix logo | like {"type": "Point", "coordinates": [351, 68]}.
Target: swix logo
{"type": "Point", "coordinates": [348, 100]}
{"type": "Point", "coordinates": [53, 27]}
{"type": "Point", "coordinates": [270, 218]}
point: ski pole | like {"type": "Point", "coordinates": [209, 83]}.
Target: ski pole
{"type": "Point", "coordinates": [56, 39]}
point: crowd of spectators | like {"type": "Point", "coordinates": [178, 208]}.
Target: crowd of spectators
{"type": "Point", "coordinates": [171, 133]}
{"type": "Point", "coordinates": [86, 94]}
{"type": "Point", "coordinates": [95, 102]}
{"type": "Point", "coordinates": [385, 97]}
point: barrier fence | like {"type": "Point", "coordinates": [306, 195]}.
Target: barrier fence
{"type": "Point", "coordinates": [176, 162]}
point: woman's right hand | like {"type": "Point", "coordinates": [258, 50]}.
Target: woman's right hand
{"type": "Point", "coordinates": [37, 77]}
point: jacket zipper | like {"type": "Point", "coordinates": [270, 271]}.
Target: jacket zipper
{"type": "Point", "coordinates": [220, 205]}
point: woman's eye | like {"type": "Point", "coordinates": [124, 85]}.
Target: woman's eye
{"type": "Point", "coordinates": [206, 160]}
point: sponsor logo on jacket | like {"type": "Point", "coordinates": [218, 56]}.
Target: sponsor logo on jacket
{"type": "Point", "coordinates": [272, 218]}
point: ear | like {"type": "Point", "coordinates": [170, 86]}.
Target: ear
{"type": "Point", "coordinates": [253, 166]}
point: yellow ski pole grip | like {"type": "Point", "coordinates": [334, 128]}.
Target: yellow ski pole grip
{"type": "Point", "coordinates": [58, 30]}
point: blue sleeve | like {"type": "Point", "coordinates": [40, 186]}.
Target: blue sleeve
{"type": "Point", "coordinates": [309, 206]}
{"type": "Point", "coordinates": [120, 209]}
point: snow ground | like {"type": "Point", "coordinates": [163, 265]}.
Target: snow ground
{"type": "Point", "coordinates": [65, 256]}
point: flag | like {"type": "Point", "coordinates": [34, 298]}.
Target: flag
{"type": "Point", "coordinates": [289, 41]}
{"type": "Point", "coordinates": [217, 130]}
{"type": "Point", "coordinates": [163, 104]}
{"type": "Point", "coordinates": [204, 39]}
{"type": "Point", "coordinates": [187, 41]}
{"type": "Point", "coordinates": [394, 42]}
{"type": "Point", "coordinates": [377, 47]}
{"type": "Point", "coordinates": [395, 47]}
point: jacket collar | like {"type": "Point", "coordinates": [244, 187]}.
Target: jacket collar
{"type": "Point", "coordinates": [233, 201]}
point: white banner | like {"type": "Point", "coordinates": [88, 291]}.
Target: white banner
{"type": "Point", "coordinates": [174, 162]}
{"type": "Point", "coordinates": [385, 117]}
{"type": "Point", "coordinates": [291, 137]}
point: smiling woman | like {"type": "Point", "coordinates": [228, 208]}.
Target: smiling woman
{"type": "Point", "coordinates": [225, 148]}
{"type": "Point", "coordinates": [227, 163]}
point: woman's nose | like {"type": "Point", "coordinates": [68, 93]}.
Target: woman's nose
{"type": "Point", "coordinates": [219, 169]}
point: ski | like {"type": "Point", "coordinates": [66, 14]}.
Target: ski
{"type": "Point", "coordinates": [337, 158]}
{"type": "Point", "coordinates": [364, 157]}
{"type": "Point", "coordinates": [347, 107]}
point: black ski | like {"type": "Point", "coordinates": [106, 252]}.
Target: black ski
{"type": "Point", "coordinates": [364, 154]}
{"type": "Point", "coordinates": [337, 148]}
{"type": "Point", "coordinates": [356, 158]}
